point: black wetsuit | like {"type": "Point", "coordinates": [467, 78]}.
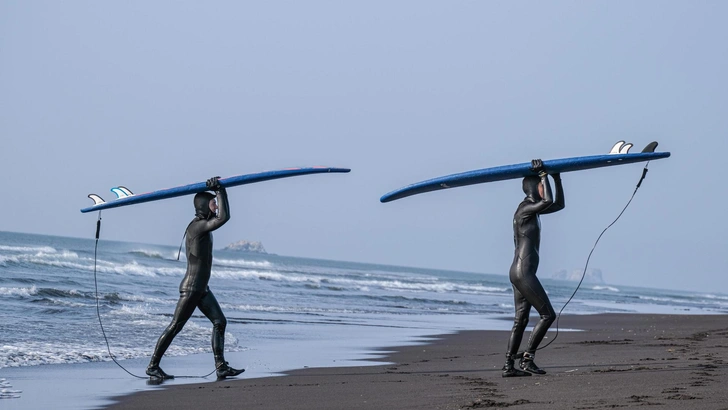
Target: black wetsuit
{"type": "Point", "coordinates": [527, 290]}
{"type": "Point", "coordinates": [194, 292]}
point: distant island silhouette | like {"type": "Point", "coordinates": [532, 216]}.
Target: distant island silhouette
{"type": "Point", "coordinates": [592, 275]}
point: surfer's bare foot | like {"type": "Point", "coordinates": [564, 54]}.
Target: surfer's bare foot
{"type": "Point", "coordinates": [224, 370]}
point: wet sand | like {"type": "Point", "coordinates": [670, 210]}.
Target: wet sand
{"type": "Point", "coordinates": [618, 361]}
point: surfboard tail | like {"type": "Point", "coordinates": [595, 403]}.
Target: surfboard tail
{"type": "Point", "coordinates": [122, 192]}
{"type": "Point", "coordinates": [97, 199]}
{"type": "Point", "coordinates": [621, 147]}
{"type": "Point", "coordinates": [650, 147]}
{"type": "Point", "coordinates": [617, 147]}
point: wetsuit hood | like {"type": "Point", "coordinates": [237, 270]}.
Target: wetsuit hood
{"type": "Point", "coordinates": [202, 205]}
{"type": "Point", "coordinates": [530, 188]}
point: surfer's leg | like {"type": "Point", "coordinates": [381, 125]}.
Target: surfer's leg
{"type": "Point", "coordinates": [519, 325]}
{"type": "Point", "coordinates": [211, 309]}
{"type": "Point", "coordinates": [535, 293]}
{"type": "Point", "coordinates": [185, 307]}
{"type": "Point", "coordinates": [537, 296]}
{"type": "Point", "coordinates": [523, 308]}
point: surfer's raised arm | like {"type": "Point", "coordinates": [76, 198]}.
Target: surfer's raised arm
{"type": "Point", "coordinates": [207, 217]}
{"type": "Point", "coordinates": [538, 191]}
{"type": "Point", "coordinates": [223, 206]}
{"type": "Point", "coordinates": [223, 213]}
{"type": "Point", "coordinates": [559, 202]}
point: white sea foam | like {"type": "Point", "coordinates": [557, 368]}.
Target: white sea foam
{"type": "Point", "coordinates": [71, 260]}
{"type": "Point", "coordinates": [263, 275]}
{"type": "Point", "coordinates": [609, 288]}
{"type": "Point", "coordinates": [717, 297]}
{"type": "Point", "coordinates": [397, 285]}
{"type": "Point", "coordinates": [70, 304]}
{"type": "Point", "coordinates": [46, 256]}
{"type": "Point", "coordinates": [34, 353]}
{"type": "Point", "coordinates": [718, 301]}
{"type": "Point", "coordinates": [136, 269]}
{"type": "Point", "coordinates": [47, 249]}
{"type": "Point", "coordinates": [148, 300]}
{"type": "Point", "coordinates": [4, 260]}
{"type": "Point", "coordinates": [135, 310]}
{"type": "Point", "coordinates": [286, 309]}
{"type": "Point", "coordinates": [149, 253]}
{"type": "Point", "coordinates": [193, 339]}
{"type": "Point", "coordinates": [27, 291]}
{"type": "Point", "coordinates": [131, 268]}
{"type": "Point", "coordinates": [656, 299]}
{"type": "Point", "coordinates": [359, 284]}
{"type": "Point", "coordinates": [242, 262]}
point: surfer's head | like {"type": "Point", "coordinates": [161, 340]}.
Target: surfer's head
{"type": "Point", "coordinates": [533, 188]}
{"type": "Point", "coordinates": [205, 205]}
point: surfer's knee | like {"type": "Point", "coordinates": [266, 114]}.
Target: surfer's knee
{"type": "Point", "coordinates": [548, 315]}
{"type": "Point", "coordinates": [176, 326]}
{"type": "Point", "coordinates": [549, 319]}
{"type": "Point", "coordinates": [219, 324]}
{"type": "Point", "coordinates": [521, 321]}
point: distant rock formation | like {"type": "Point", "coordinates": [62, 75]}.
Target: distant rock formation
{"type": "Point", "coordinates": [246, 246]}
{"type": "Point", "coordinates": [592, 275]}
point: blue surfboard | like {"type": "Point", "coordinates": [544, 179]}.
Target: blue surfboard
{"type": "Point", "coordinates": [619, 155]}
{"type": "Point", "coordinates": [126, 197]}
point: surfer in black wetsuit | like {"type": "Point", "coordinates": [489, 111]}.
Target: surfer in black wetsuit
{"type": "Point", "coordinates": [527, 290]}
{"type": "Point", "coordinates": [194, 292]}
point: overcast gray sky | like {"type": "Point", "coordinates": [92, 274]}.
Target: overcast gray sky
{"type": "Point", "coordinates": [157, 94]}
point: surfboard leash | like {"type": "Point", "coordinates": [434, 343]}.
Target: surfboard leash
{"type": "Point", "coordinates": [98, 308]}
{"type": "Point", "coordinates": [98, 314]}
{"type": "Point", "coordinates": [182, 242]}
{"type": "Point", "coordinates": [583, 275]}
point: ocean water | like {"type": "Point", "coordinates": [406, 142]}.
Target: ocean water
{"type": "Point", "coordinates": [49, 305]}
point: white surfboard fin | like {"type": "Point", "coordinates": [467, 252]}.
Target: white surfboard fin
{"type": "Point", "coordinates": [97, 199]}
{"type": "Point", "coordinates": [625, 148]}
{"type": "Point", "coordinates": [122, 192]}
{"type": "Point", "coordinates": [650, 147]}
{"type": "Point", "coordinates": [615, 149]}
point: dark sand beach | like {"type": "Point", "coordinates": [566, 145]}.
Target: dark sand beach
{"type": "Point", "coordinates": [618, 361]}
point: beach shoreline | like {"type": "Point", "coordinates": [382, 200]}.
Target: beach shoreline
{"type": "Point", "coordinates": [620, 360]}
{"type": "Point", "coordinates": [286, 346]}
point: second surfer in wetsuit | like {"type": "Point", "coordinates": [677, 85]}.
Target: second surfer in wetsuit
{"type": "Point", "coordinates": [194, 292]}
{"type": "Point", "coordinates": [527, 290]}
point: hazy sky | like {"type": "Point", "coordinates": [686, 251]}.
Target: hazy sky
{"type": "Point", "coordinates": [153, 94]}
